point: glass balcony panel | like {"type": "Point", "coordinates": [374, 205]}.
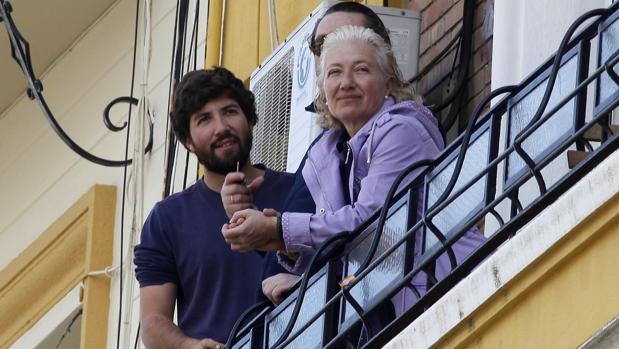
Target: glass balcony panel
{"type": "Point", "coordinates": [314, 301]}
{"type": "Point", "coordinates": [244, 343]}
{"type": "Point", "coordinates": [390, 270]}
{"type": "Point", "coordinates": [452, 215]}
{"type": "Point", "coordinates": [554, 128]}
{"type": "Point", "coordinates": [609, 45]}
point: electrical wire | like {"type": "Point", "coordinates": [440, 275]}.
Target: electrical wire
{"type": "Point", "coordinates": [221, 33]}
{"type": "Point", "coordinates": [175, 76]}
{"type": "Point", "coordinates": [68, 329]}
{"type": "Point", "coordinates": [439, 57]}
{"type": "Point", "coordinates": [176, 72]}
{"type": "Point", "coordinates": [465, 56]}
{"type": "Point", "coordinates": [273, 33]}
{"type": "Point", "coordinates": [171, 85]}
{"type": "Point", "coordinates": [124, 199]}
{"type": "Point", "coordinates": [137, 173]}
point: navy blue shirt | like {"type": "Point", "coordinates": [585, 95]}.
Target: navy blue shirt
{"type": "Point", "coordinates": [299, 200]}
{"type": "Point", "coordinates": [181, 243]}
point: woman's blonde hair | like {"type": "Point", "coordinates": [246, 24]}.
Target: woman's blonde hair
{"type": "Point", "coordinates": [385, 59]}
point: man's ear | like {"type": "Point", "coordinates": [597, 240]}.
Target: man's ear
{"type": "Point", "coordinates": [189, 145]}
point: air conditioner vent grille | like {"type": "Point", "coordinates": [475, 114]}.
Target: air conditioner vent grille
{"type": "Point", "coordinates": [273, 100]}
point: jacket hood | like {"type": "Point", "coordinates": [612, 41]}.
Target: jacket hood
{"type": "Point", "coordinates": [409, 109]}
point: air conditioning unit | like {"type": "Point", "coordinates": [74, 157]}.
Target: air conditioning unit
{"type": "Point", "coordinates": [284, 84]}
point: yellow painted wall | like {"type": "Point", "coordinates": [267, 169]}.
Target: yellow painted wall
{"type": "Point", "coordinates": [79, 242]}
{"type": "Point", "coordinates": [246, 36]}
{"type": "Point", "coordinates": [560, 300]}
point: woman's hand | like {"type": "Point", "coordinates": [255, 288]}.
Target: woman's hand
{"type": "Point", "coordinates": [276, 287]}
{"type": "Point", "coordinates": [252, 230]}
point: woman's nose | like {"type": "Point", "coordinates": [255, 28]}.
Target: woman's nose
{"type": "Point", "coordinates": [348, 81]}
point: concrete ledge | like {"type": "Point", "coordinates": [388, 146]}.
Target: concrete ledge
{"type": "Point", "coordinates": [583, 215]}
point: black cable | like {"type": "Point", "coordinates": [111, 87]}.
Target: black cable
{"type": "Point", "coordinates": [137, 337]}
{"type": "Point", "coordinates": [68, 329]}
{"type": "Point", "coordinates": [171, 83]}
{"type": "Point", "coordinates": [439, 57]}
{"type": "Point", "coordinates": [197, 21]}
{"type": "Point", "coordinates": [305, 280]}
{"type": "Point", "coordinates": [124, 199]}
{"type": "Point", "coordinates": [175, 76]}
{"type": "Point", "coordinates": [193, 42]}
{"type": "Point", "coordinates": [465, 57]}
{"type": "Point", "coordinates": [446, 123]}
{"type": "Point", "coordinates": [186, 170]}
{"type": "Point", "coordinates": [193, 52]}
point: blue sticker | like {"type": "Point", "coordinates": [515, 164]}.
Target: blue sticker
{"type": "Point", "coordinates": [304, 62]}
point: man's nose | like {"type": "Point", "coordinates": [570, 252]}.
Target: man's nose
{"type": "Point", "coordinates": [220, 124]}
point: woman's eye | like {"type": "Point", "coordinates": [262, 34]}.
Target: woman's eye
{"type": "Point", "coordinates": [333, 72]}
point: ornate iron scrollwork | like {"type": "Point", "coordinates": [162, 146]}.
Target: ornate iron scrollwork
{"type": "Point", "coordinates": [20, 51]}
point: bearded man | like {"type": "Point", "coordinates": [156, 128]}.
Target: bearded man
{"type": "Point", "coordinates": [182, 258]}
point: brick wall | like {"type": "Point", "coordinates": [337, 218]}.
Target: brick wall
{"type": "Point", "coordinates": [440, 22]}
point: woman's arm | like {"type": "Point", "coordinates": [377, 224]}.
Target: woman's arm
{"type": "Point", "coordinates": [397, 144]}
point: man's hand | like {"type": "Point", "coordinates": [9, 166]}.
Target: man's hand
{"type": "Point", "coordinates": [237, 196]}
{"type": "Point", "coordinates": [252, 230]}
{"type": "Point", "coordinates": [206, 343]}
{"type": "Point", "coordinates": [276, 287]}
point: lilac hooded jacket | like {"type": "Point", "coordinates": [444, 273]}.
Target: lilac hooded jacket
{"type": "Point", "coordinates": [398, 135]}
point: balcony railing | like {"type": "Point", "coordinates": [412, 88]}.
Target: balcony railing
{"type": "Point", "coordinates": [554, 135]}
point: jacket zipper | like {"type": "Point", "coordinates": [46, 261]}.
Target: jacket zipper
{"type": "Point", "coordinates": [351, 176]}
{"type": "Point", "coordinates": [322, 192]}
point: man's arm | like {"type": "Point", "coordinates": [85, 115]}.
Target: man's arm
{"type": "Point", "coordinates": [158, 331]}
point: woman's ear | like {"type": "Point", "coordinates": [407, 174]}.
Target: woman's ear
{"type": "Point", "coordinates": [389, 86]}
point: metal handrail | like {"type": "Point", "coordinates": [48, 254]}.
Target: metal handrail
{"type": "Point", "coordinates": [506, 229]}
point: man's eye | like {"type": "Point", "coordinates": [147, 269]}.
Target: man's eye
{"type": "Point", "coordinates": [231, 111]}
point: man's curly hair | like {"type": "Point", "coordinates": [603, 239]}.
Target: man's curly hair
{"type": "Point", "coordinates": [202, 86]}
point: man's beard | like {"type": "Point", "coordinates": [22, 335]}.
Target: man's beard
{"type": "Point", "coordinates": [207, 157]}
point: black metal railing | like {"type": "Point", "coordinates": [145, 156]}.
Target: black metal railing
{"type": "Point", "coordinates": [345, 296]}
